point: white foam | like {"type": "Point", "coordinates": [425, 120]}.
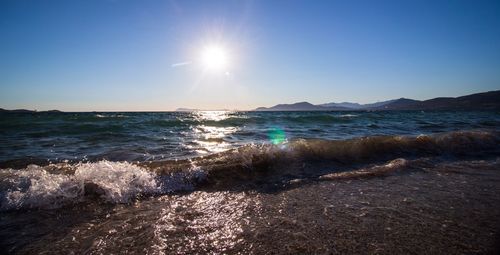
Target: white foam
{"type": "Point", "coordinates": [348, 115]}
{"type": "Point", "coordinates": [115, 182]}
{"type": "Point", "coordinates": [110, 116]}
{"type": "Point", "coordinates": [120, 181]}
{"type": "Point", "coordinates": [35, 187]}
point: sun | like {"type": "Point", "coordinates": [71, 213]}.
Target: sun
{"type": "Point", "coordinates": [215, 58]}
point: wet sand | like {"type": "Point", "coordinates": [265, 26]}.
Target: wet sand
{"type": "Point", "coordinates": [422, 208]}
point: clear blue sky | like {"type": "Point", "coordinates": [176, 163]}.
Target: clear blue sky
{"type": "Point", "coordinates": [121, 55]}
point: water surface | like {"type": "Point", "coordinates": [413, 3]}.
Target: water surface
{"type": "Point", "coordinates": [250, 182]}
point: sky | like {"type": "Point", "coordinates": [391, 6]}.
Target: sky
{"type": "Point", "coordinates": [114, 55]}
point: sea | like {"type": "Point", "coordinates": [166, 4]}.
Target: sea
{"type": "Point", "coordinates": [226, 182]}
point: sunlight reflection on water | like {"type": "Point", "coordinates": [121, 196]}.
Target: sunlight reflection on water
{"type": "Point", "coordinates": [211, 115]}
{"type": "Point", "coordinates": [210, 139]}
{"type": "Point", "coordinates": [204, 221]}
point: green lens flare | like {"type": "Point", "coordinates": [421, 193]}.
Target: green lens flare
{"type": "Point", "coordinates": [277, 135]}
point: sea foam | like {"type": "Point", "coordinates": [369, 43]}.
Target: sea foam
{"type": "Point", "coordinates": [114, 182]}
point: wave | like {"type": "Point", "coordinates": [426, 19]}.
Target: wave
{"type": "Point", "coordinates": [319, 118]}
{"type": "Point", "coordinates": [349, 115]}
{"type": "Point", "coordinates": [376, 170]}
{"type": "Point", "coordinates": [252, 166]}
{"type": "Point", "coordinates": [115, 182]}
{"type": "Point", "coordinates": [178, 122]}
{"type": "Point", "coordinates": [306, 158]}
{"type": "Point", "coordinates": [111, 116]}
{"type": "Point", "coordinates": [376, 147]}
{"type": "Point", "coordinates": [244, 120]}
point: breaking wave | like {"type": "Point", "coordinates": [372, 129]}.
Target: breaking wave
{"type": "Point", "coordinates": [250, 166]}
{"type": "Point", "coordinates": [114, 182]}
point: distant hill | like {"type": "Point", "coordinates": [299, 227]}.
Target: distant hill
{"type": "Point", "coordinates": [301, 106]}
{"type": "Point", "coordinates": [186, 110]}
{"type": "Point", "coordinates": [356, 106]}
{"type": "Point", "coordinates": [344, 105]}
{"type": "Point", "coordinates": [378, 104]}
{"type": "Point", "coordinates": [396, 104]}
{"type": "Point", "coordinates": [480, 101]}
{"type": "Point", "coordinates": [25, 111]}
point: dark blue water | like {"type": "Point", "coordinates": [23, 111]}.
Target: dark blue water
{"type": "Point", "coordinates": [138, 136]}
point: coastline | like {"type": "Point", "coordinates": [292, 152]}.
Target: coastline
{"type": "Point", "coordinates": [448, 207]}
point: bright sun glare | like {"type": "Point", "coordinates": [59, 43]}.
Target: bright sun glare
{"type": "Point", "coordinates": [215, 58]}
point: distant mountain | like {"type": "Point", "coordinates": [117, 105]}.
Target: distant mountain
{"type": "Point", "coordinates": [356, 106]}
{"type": "Point", "coordinates": [396, 104]}
{"type": "Point", "coordinates": [343, 104]}
{"type": "Point", "coordinates": [16, 110]}
{"type": "Point", "coordinates": [25, 111]}
{"type": "Point", "coordinates": [301, 106]}
{"type": "Point", "coordinates": [186, 110]}
{"type": "Point", "coordinates": [378, 104]}
{"type": "Point", "coordinates": [480, 101]}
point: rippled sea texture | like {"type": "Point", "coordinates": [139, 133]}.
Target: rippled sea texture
{"type": "Point", "coordinates": [167, 135]}
{"type": "Point", "coordinates": [250, 183]}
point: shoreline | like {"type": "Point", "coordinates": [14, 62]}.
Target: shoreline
{"type": "Point", "coordinates": [448, 207]}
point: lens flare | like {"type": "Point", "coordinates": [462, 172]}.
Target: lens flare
{"type": "Point", "coordinates": [277, 135]}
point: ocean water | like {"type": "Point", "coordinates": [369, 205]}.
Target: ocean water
{"type": "Point", "coordinates": [200, 182]}
{"type": "Point", "coordinates": [131, 136]}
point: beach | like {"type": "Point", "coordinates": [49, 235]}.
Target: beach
{"type": "Point", "coordinates": [422, 208]}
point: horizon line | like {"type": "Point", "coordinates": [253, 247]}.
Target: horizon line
{"type": "Point", "coordinates": [188, 109]}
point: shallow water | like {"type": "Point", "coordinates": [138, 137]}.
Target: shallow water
{"type": "Point", "coordinates": [424, 207]}
{"type": "Point", "coordinates": [249, 182]}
